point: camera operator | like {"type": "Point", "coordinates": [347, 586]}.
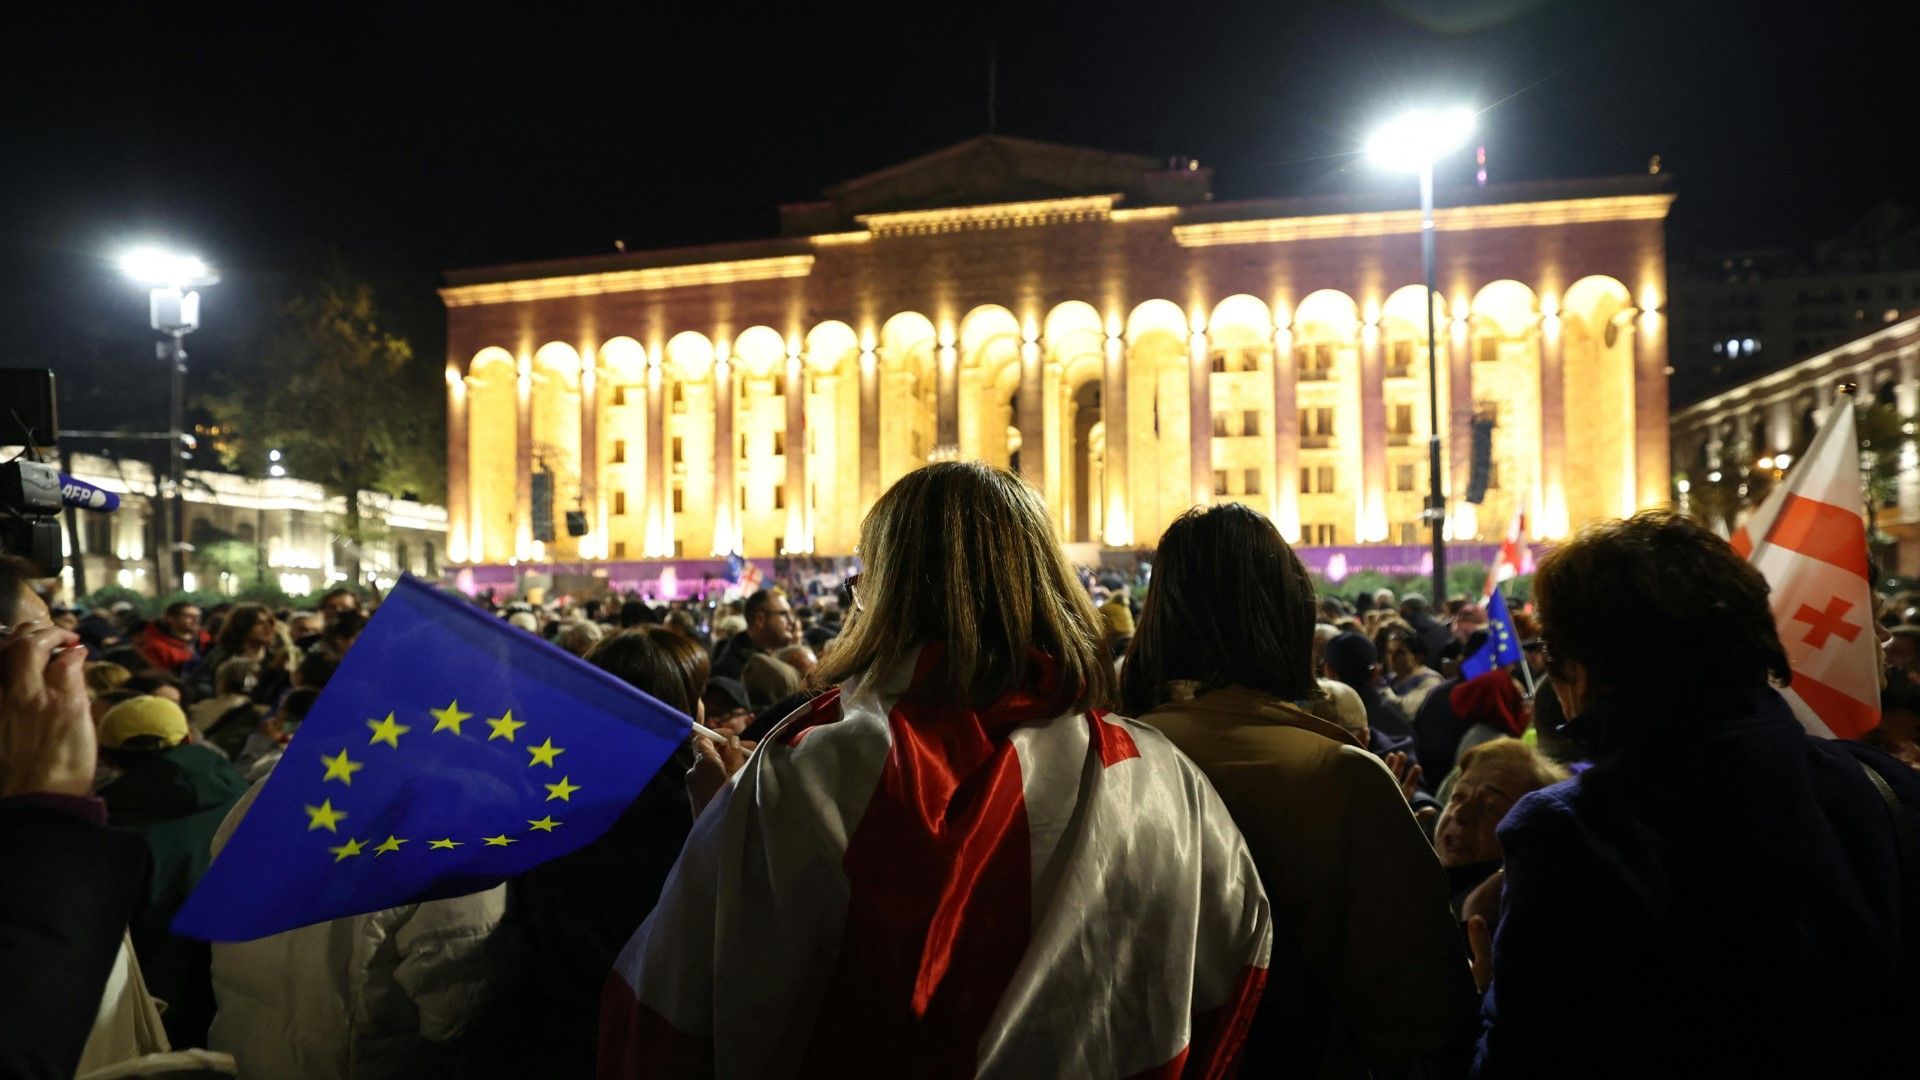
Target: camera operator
{"type": "Point", "coordinates": [70, 883]}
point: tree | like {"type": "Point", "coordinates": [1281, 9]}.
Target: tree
{"type": "Point", "coordinates": [345, 401]}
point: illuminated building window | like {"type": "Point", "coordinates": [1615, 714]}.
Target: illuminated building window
{"type": "Point", "coordinates": [619, 502]}
{"type": "Point", "coordinates": [1493, 476]}
{"type": "Point", "coordinates": [1316, 428]}
{"type": "Point", "coordinates": [679, 549]}
{"type": "Point", "coordinates": [1219, 481]}
{"type": "Point", "coordinates": [619, 451]}
{"type": "Point", "coordinates": [619, 549]}
{"type": "Point", "coordinates": [1486, 349]}
{"type": "Point", "coordinates": [743, 497]}
{"type": "Point", "coordinates": [779, 496]}
{"type": "Point", "coordinates": [1400, 426]}
{"type": "Point", "coordinates": [779, 384]}
{"type": "Point", "coordinates": [1316, 480]}
{"type": "Point", "coordinates": [679, 450]}
{"type": "Point", "coordinates": [1409, 532]}
{"type": "Point", "coordinates": [779, 442]}
{"type": "Point", "coordinates": [1314, 363]}
{"type": "Point", "coordinates": [619, 395]}
{"type": "Point", "coordinates": [679, 499]}
{"type": "Point", "coordinates": [1250, 422]}
{"type": "Point", "coordinates": [1251, 482]}
{"type": "Point", "coordinates": [743, 444]}
{"type": "Point", "coordinates": [1220, 424]}
{"type": "Point", "coordinates": [1317, 535]}
{"type": "Point", "coordinates": [1403, 478]}
{"type": "Point", "coordinates": [1219, 363]}
{"type": "Point", "coordinates": [679, 395]}
{"type": "Point", "coordinates": [1400, 360]}
{"type": "Point", "coordinates": [1487, 409]}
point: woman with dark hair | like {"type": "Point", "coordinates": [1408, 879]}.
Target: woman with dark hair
{"type": "Point", "coordinates": [567, 919]}
{"type": "Point", "coordinates": [950, 863]}
{"type": "Point", "coordinates": [248, 632]}
{"type": "Point", "coordinates": [1222, 664]}
{"type": "Point", "coordinates": [1718, 894]}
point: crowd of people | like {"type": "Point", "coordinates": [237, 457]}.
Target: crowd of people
{"type": "Point", "coordinates": [980, 812]}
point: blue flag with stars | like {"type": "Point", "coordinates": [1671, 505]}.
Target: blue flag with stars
{"type": "Point", "coordinates": [1503, 641]}
{"type": "Point", "coordinates": [449, 752]}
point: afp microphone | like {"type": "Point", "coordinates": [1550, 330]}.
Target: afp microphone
{"type": "Point", "coordinates": [84, 496]}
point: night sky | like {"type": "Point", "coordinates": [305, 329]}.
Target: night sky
{"type": "Point", "coordinates": [407, 138]}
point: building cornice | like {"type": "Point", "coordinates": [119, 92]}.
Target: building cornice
{"type": "Point", "coordinates": [991, 216]}
{"type": "Point", "coordinates": [620, 281]}
{"type": "Point", "coordinates": [1550, 213]}
{"type": "Point", "coordinates": [1789, 379]}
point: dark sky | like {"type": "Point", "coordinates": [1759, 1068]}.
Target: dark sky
{"type": "Point", "coordinates": [414, 137]}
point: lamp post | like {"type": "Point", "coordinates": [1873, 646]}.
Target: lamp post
{"type": "Point", "coordinates": [1413, 142]}
{"type": "Point", "coordinates": [174, 310]}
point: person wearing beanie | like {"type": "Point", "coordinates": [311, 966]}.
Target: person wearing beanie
{"type": "Point", "coordinates": [1352, 659]}
{"type": "Point", "coordinates": [172, 793]}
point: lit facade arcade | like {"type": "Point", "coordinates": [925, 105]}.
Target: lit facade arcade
{"type": "Point", "coordinates": [1092, 320]}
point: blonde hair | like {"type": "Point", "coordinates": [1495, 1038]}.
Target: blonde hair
{"type": "Point", "coordinates": [1541, 771]}
{"type": "Point", "coordinates": [104, 677]}
{"type": "Point", "coordinates": [962, 553]}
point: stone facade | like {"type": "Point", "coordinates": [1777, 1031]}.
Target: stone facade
{"type": "Point", "coordinates": [1092, 320]}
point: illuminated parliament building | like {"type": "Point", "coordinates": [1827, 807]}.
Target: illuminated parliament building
{"type": "Point", "coordinates": [1092, 320]}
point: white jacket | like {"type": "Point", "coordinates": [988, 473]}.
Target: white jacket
{"type": "Point", "coordinates": [364, 996]}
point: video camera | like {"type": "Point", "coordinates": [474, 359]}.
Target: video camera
{"type": "Point", "coordinates": [29, 489]}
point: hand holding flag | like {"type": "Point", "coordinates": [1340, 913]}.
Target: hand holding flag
{"type": "Point", "coordinates": [449, 752]}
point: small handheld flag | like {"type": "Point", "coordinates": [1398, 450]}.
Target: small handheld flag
{"type": "Point", "coordinates": [1503, 641]}
{"type": "Point", "coordinates": [449, 752]}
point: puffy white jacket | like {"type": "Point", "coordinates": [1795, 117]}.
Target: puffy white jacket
{"type": "Point", "coordinates": [366, 996]}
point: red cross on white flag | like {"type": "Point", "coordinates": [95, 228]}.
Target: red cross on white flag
{"type": "Point", "coordinates": [1515, 556]}
{"type": "Point", "coordinates": [1809, 538]}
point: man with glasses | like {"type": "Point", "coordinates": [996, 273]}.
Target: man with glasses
{"type": "Point", "coordinates": [770, 628]}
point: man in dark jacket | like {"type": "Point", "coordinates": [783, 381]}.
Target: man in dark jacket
{"type": "Point", "coordinates": [1719, 894]}
{"type": "Point", "coordinates": [173, 795]}
{"type": "Point", "coordinates": [1431, 630]}
{"type": "Point", "coordinates": [770, 628]}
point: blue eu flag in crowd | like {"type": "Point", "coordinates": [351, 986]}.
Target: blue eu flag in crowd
{"type": "Point", "coordinates": [736, 566]}
{"type": "Point", "coordinates": [449, 752]}
{"type": "Point", "coordinates": [1503, 641]}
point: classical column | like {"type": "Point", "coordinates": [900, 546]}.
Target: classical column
{"type": "Point", "coordinates": [726, 506]}
{"type": "Point", "coordinates": [460, 516]}
{"type": "Point", "coordinates": [1118, 520]}
{"type": "Point", "coordinates": [797, 538]}
{"type": "Point", "coordinates": [594, 544]}
{"type": "Point", "coordinates": [869, 429]}
{"type": "Point", "coordinates": [1056, 419]}
{"type": "Point", "coordinates": [659, 513]}
{"type": "Point", "coordinates": [1371, 506]}
{"type": "Point", "coordinates": [1552, 496]}
{"type": "Point", "coordinates": [1200, 418]}
{"type": "Point", "coordinates": [1458, 358]}
{"type": "Point", "coordinates": [1906, 397]}
{"type": "Point", "coordinates": [1033, 435]}
{"type": "Point", "coordinates": [1653, 467]}
{"type": "Point", "coordinates": [1286, 438]}
{"type": "Point", "coordinates": [947, 398]}
{"type": "Point", "coordinates": [523, 462]}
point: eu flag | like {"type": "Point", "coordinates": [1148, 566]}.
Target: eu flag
{"type": "Point", "coordinates": [449, 752]}
{"type": "Point", "coordinates": [1503, 641]}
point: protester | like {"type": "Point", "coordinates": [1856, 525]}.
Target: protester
{"type": "Point", "coordinates": [1492, 777]}
{"type": "Point", "coordinates": [1409, 678]}
{"type": "Point", "coordinates": [173, 641]}
{"type": "Point", "coordinates": [103, 677]}
{"type": "Point", "coordinates": [1413, 608]}
{"type": "Point", "coordinates": [337, 601]}
{"type": "Point", "coordinates": [1719, 894]}
{"type": "Point", "coordinates": [232, 688]}
{"type": "Point", "coordinates": [768, 680]}
{"type": "Point", "coordinates": [1222, 655]}
{"type": "Point", "coordinates": [249, 631]}
{"type": "Point", "coordinates": [1351, 659]}
{"type": "Point", "coordinates": [567, 920]}
{"type": "Point", "coordinates": [578, 636]}
{"type": "Point", "coordinates": [173, 795]}
{"type": "Point", "coordinates": [892, 922]}
{"type": "Point", "coordinates": [342, 631]}
{"type": "Point", "coordinates": [770, 628]}
{"type": "Point", "coordinates": [265, 745]}
{"type": "Point", "coordinates": [799, 657]}
{"type": "Point", "coordinates": [1491, 707]}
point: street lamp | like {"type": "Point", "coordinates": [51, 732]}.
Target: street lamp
{"type": "Point", "coordinates": [174, 310]}
{"type": "Point", "coordinates": [1413, 142]}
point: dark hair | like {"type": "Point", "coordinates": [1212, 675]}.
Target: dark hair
{"type": "Point", "coordinates": [658, 661]}
{"type": "Point", "coordinates": [298, 702]}
{"type": "Point", "coordinates": [336, 592]}
{"type": "Point", "coordinates": [238, 624]}
{"type": "Point", "coordinates": [1230, 605]}
{"type": "Point", "coordinates": [1410, 641]}
{"type": "Point", "coordinates": [345, 625]}
{"type": "Point", "coordinates": [146, 682]}
{"type": "Point", "coordinates": [316, 668]}
{"type": "Point", "coordinates": [128, 657]}
{"type": "Point", "coordinates": [757, 603]}
{"type": "Point", "coordinates": [179, 606]}
{"type": "Point", "coordinates": [1660, 608]}
{"type": "Point", "coordinates": [636, 613]}
{"type": "Point", "coordinates": [16, 574]}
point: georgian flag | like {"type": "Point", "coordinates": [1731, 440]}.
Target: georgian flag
{"type": "Point", "coordinates": [1515, 557]}
{"type": "Point", "coordinates": [1809, 538]}
{"type": "Point", "coordinates": [898, 886]}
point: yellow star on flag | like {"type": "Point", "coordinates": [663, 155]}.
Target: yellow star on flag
{"type": "Point", "coordinates": [391, 843]}
{"type": "Point", "coordinates": [562, 790]}
{"type": "Point", "coordinates": [544, 754]}
{"type": "Point", "coordinates": [505, 726]}
{"type": "Point", "coordinates": [449, 844]}
{"type": "Point", "coordinates": [324, 816]}
{"type": "Point", "coordinates": [449, 718]}
{"type": "Point", "coordinates": [340, 767]}
{"type": "Point", "coordinates": [499, 841]}
{"type": "Point", "coordinates": [346, 851]}
{"type": "Point", "coordinates": [545, 824]}
{"type": "Point", "coordinates": [386, 731]}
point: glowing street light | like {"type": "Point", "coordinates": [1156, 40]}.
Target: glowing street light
{"type": "Point", "coordinates": [174, 310]}
{"type": "Point", "coordinates": [1412, 143]}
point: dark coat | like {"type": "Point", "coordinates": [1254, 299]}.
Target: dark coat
{"type": "Point", "coordinates": [1721, 897]}
{"type": "Point", "coordinates": [67, 888]}
{"type": "Point", "coordinates": [175, 800]}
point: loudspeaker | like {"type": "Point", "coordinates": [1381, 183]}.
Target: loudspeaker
{"type": "Point", "coordinates": [542, 508]}
{"type": "Point", "coordinates": [1481, 463]}
{"type": "Point", "coordinates": [576, 523]}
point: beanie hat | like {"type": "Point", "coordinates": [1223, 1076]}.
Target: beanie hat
{"type": "Point", "coordinates": [1490, 699]}
{"type": "Point", "coordinates": [1350, 658]}
{"type": "Point", "coordinates": [145, 715]}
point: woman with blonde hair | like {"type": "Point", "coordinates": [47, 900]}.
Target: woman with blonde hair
{"type": "Point", "coordinates": [951, 862]}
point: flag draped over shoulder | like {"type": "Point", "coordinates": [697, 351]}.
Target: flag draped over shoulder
{"type": "Point", "coordinates": [1809, 539]}
{"type": "Point", "coordinates": [449, 752]}
{"type": "Point", "coordinates": [1503, 641]}
{"type": "Point", "coordinates": [900, 886]}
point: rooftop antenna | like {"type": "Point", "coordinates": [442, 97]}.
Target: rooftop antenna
{"type": "Point", "coordinates": [993, 91]}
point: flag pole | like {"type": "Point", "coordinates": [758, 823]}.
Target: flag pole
{"type": "Point", "coordinates": [1526, 673]}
